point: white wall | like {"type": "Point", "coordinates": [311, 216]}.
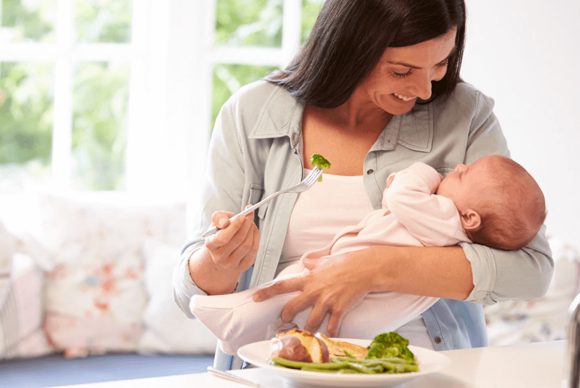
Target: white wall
{"type": "Point", "coordinates": [526, 55]}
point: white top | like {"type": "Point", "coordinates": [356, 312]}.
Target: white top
{"type": "Point", "coordinates": [321, 212]}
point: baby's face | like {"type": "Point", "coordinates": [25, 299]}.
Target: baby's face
{"type": "Point", "coordinates": [465, 185]}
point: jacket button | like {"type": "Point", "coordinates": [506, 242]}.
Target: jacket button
{"type": "Point", "coordinates": [438, 340]}
{"type": "Point", "coordinates": [369, 172]}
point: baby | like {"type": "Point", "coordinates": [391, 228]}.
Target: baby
{"type": "Point", "coordinates": [493, 201]}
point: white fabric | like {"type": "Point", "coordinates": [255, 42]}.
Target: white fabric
{"type": "Point", "coordinates": [411, 216]}
{"type": "Point", "coordinates": [167, 329]}
{"type": "Point", "coordinates": [322, 211]}
{"type": "Point", "coordinates": [21, 301]}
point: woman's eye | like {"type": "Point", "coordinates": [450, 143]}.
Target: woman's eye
{"type": "Point", "coordinates": [402, 75]}
{"type": "Point", "coordinates": [443, 64]}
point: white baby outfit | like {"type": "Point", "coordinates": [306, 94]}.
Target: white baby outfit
{"type": "Point", "coordinates": [411, 215]}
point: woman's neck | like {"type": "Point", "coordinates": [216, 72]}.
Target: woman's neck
{"type": "Point", "coordinates": [356, 114]}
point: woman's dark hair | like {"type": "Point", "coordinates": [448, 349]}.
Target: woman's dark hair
{"type": "Point", "coordinates": [350, 36]}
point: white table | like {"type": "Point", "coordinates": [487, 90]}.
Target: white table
{"type": "Point", "coordinates": [537, 365]}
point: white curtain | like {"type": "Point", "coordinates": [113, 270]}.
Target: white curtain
{"type": "Point", "coordinates": [169, 109]}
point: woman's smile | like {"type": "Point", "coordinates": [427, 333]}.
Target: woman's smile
{"type": "Point", "coordinates": [403, 98]}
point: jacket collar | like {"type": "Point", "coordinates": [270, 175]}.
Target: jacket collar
{"type": "Point", "coordinates": [281, 116]}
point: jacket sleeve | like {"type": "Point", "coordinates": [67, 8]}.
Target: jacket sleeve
{"type": "Point", "coordinates": [499, 275]}
{"type": "Point", "coordinates": [430, 218]}
{"type": "Point", "coordinates": [222, 191]}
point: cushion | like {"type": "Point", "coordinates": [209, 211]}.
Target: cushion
{"type": "Point", "coordinates": [167, 328]}
{"type": "Point", "coordinates": [95, 296]}
{"type": "Point", "coordinates": [21, 333]}
{"type": "Point", "coordinates": [545, 319]}
{"type": "Point", "coordinates": [21, 281]}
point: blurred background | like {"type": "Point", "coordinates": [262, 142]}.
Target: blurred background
{"type": "Point", "coordinates": [102, 95]}
{"type": "Point", "coordinates": [107, 105]}
{"type": "Point", "coordinates": [87, 88]}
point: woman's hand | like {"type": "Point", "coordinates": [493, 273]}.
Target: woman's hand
{"type": "Point", "coordinates": [216, 267]}
{"type": "Point", "coordinates": [334, 285]}
{"type": "Point", "coordinates": [235, 245]}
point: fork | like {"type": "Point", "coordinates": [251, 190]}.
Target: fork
{"type": "Point", "coordinates": [306, 183]}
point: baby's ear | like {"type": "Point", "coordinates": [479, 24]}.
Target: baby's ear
{"type": "Point", "coordinates": [470, 220]}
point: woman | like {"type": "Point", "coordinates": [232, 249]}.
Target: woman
{"type": "Point", "coordinates": [375, 88]}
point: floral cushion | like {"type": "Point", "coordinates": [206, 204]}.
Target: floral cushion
{"type": "Point", "coordinates": [95, 296]}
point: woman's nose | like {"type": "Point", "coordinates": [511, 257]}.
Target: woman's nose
{"type": "Point", "coordinates": [423, 87]}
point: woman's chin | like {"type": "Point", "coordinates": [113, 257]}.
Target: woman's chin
{"type": "Point", "coordinates": [396, 106]}
{"type": "Point", "coordinates": [395, 111]}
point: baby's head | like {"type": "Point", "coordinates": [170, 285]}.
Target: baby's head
{"type": "Point", "coordinates": [499, 202]}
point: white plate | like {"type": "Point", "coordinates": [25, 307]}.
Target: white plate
{"type": "Point", "coordinates": [429, 362]}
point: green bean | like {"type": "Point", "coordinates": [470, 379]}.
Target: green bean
{"type": "Point", "coordinates": [361, 368]}
{"type": "Point", "coordinates": [388, 366]}
{"type": "Point", "coordinates": [300, 364]}
{"type": "Point", "coordinates": [392, 360]}
{"type": "Point", "coordinates": [348, 371]}
{"type": "Point", "coordinates": [395, 360]}
{"type": "Point", "coordinates": [401, 368]}
{"type": "Point", "coordinates": [320, 370]}
{"type": "Point", "coordinates": [348, 354]}
{"type": "Point", "coordinates": [350, 365]}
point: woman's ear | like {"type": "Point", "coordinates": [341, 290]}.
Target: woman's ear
{"type": "Point", "coordinates": [470, 220]}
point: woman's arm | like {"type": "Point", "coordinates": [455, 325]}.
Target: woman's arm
{"type": "Point", "coordinates": [213, 265]}
{"type": "Point", "coordinates": [338, 282]}
{"type": "Point", "coordinates": [499, 275]}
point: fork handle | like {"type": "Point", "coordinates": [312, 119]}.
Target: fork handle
{"type": "Point", "coordinates": [214, 230]}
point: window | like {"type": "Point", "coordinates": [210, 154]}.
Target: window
{"type": "Point", "coordinates": [254, 38]}
{"type": "Point", "coordinates": [64, 74]}
{"type": "Point", "coordinates": [121, 95]}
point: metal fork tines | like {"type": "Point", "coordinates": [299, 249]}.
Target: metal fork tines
{"type": "Point", "coordinates": [306, 183]}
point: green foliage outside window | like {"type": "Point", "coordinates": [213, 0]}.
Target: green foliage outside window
{"type": "Point", "coordinates": [310, 11]}
{"type": "Point", "coordinates": [100, 95]}
{"type": "Point", "coordinates": [249, 23]}
{"type": "Point", "coordinates": [99, 137]}
{"type": "Point", "coordinates": [103, 21]}
{"type": "Point", "coordinates": [26, 102]}
{"type": "Point", "coordinates": [28, 21]}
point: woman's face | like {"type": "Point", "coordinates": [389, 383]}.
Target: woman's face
{"type": "Point", "coordinates": [404, 74]}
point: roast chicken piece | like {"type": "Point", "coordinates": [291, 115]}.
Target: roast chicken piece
{"type": "Point", "coordinates": [300, 345]}
{"type": "Point", "coordinates": [336, 347]}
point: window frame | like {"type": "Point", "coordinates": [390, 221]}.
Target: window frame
{"type": "Point", "coordinates": [64, 53]}
{"type": "Point", "coordinates": [189, 133]}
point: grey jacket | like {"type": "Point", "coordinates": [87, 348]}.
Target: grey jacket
{"type": "Point", "coordinates": [255, 151]}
